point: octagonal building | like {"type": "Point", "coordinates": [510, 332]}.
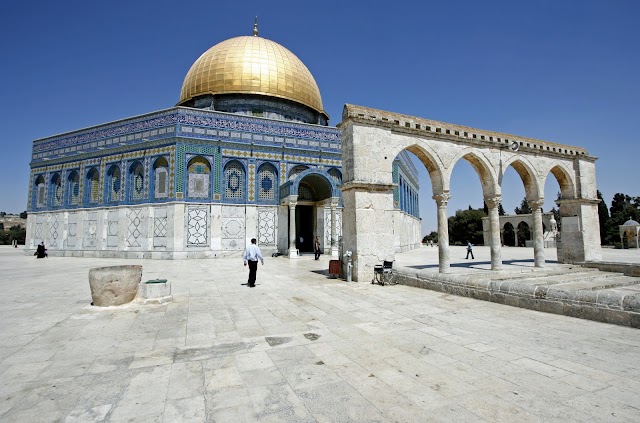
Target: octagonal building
{"type": "Point", "coordinates": [247, 152]}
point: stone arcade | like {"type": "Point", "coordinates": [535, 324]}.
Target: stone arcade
{"type": "Point", "coordinates": [372, 138]}
{"type": "Point", "coordinates": [245, 153]}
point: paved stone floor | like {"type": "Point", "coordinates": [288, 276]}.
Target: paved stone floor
{"type": "Point", "coordinates": [300, 347]}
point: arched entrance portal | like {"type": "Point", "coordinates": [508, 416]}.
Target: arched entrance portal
{"type": "Point", "coordinates": [312, 203]}
{"type": "Point", "coordinates": [372, 138]}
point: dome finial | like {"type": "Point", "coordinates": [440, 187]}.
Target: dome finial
{"type": "Point", "coordinates": [255, 27]}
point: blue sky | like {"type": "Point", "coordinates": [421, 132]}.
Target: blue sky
{"type": "Point", "coordinates": [564, 71]}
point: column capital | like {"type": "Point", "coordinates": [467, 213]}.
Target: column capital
{"type": "Point", "coordinates": [536, 204]}
{"type": "Point", "coordinates": [493, 202]}
{"type": "Point", "coordinates": [442, 199]}
{"type": "Point", "coordinates": [334, 203]}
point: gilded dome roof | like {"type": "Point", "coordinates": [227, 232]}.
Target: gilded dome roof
{"type": "Point", "coordinates": [251, 65]}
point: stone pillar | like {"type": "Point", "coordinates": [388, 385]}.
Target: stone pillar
{"type": "Point", "coordinates": [293, 252]}
{"type": "Point", "coordinates": [515, 236]}
{"type": "Point", "coordinates": [494, 228]}
{"type": "Point", "coordinates": [334, 238]}
{"type": "Point", "coordinates": [538, 232]}
{"type": "Point", "coordinates": [367, 226]}
{"type": "Point", "coordinates": [443, 232]}
{"type": "Point", "coordinates": [579, 239]}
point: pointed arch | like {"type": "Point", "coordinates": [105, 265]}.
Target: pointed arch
{"type": "Point", "coordinates": [92, 185]}
{"type": "Point", "coordinates": [564, 178]}
{"type": "Point", "coordinates": [433, 166]}
{"type": "Point", "coordinates": [198, 177]}
{"type": "Point", "coordinates": [527, 175]}
{"type": "Point", "coordinates": [234, 181]}
{"type": "Point", "coordinates": [160, 178]}
{"type": "Point", "coordinates": [73, 188]}
{"type": "Point", "coordinates": [114, 183]}
{"type": "Point", "coordinates": [56, 190]}
{"type": "Point", "coordinates": [137, 181]}
{"type": "Point", "coordinates": [266, 183]}
{"type": "Point", "coordinates": [483, 167]}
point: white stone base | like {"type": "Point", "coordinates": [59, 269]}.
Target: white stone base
{"type": "Point", "coordinates": [294, 254]}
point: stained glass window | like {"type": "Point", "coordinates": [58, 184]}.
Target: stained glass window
{"type": "Point", "coordinates": [40, 191]}
{"type": "Point", "coordinates": [56, 190]}
{"type": "Point", "coordinates": [93, 184]}
{"type": "Point", "coordinates": [137, 181]}
{"type": "Point", "coordinates": [115, 183]}
{"type": "Point", "coordinates": [161, 167]}
{"type": "Point", "coordinates": [234, 180]}
{"type": "Point", "coordinates": [74, 188]}
{"type": "Point", "coordinates": [267, 182]}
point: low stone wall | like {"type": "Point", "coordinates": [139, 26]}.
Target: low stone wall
{"type": "Point", "coordinates": [629, 269]}
{"type": "Point", "coordinates": [600, 305]}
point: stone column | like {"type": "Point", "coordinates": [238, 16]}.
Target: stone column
{"type": "Point", "coordinates": [293, 252]}
{"type": "Point", "coordinates": [334, 238]}
{"type": "Point", "coordinates": [443, 232]}
{"type": "Point", "coordinates": [494, 228]}
{"type": "Point", "coordinates": [538, 235]}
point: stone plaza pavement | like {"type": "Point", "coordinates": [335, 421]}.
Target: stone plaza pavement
{"type": "Point", "coordinates": [300, 347]}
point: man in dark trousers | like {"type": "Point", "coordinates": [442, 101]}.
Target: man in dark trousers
{"type": "Point", "coordinates": [470, 250]}
{"type": "Point", "coordinates": [316, 247]}
{"type": "Point", "coordinates": [251, 255]}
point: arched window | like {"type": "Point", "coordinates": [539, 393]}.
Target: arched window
{"type": "Point", "coordinates": [336, 176]}
{"type": "Point", "coordinates": [136, 172]}
{"type": "Point", "coordinates": [267, 179]}
{"type": "Point", "coordinates": [234, 181]}
{"type": "Point", "coordinates": [296, 170]}
{"type": "Point", "coordinates": [73, 188]}
{"type": "Point", "coordinates": [40, 191]}
{"type": "Point", "coordinates": [199, 171]}
{"type": "Point", "coordinates": [114, 181]}
{"type": "Point", "coordinates": [92, 186]}
{"type": "Point", "coordinates": [56, 190]}
{"type": "Point", "coordinates": [305, 193]}
{"type": "Point", "coordinates": [161, 178]}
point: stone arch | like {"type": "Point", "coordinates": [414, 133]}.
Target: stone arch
{"type": "Point", "coordinates": [312, 176]}
{"type": "Point", "coordinates": [296, 170]}
{"type": "Point", "coordinates": [527, 174]}
{"type": "Point", "coordinates": [434, 166]}
{"type": "Point", "coordinates": [564, 178]}
{"type": "Point", "coordinates": [483, 168]}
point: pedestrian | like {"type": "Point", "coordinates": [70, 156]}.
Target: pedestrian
{"type": "Point", "coordinates": [251, 255]}
{"type": "Point", "coordinates": [469, 250]}
{"type": "Point", "coordinates": [316, 247]}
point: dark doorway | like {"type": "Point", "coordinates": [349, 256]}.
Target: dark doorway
{"type": "Point", "coordinates": [304, 228]}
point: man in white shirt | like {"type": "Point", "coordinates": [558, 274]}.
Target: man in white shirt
{"type": "Point", "coordinates": [251, 255]}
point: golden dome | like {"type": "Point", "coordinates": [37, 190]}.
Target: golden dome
{"type": "Point", "coordinates": [251, 65]}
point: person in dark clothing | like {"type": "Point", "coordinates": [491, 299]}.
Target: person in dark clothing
{"type": "Point", "coordinates": [41, 251]}
{"type": "Point", "coordinates": [316, 247]}
{"type": "Point", "coordinates": [251, 255]}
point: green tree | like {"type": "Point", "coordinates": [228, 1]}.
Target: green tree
{"type": "Point", "coordinates": [524, 207]}
{"type": "Point", "coordinates": [623, 208]}
{"type": "Point", "coordinates": [23, 215]}
{"type": "Point", "coordinates": [1, 226]}
{"type": "Point", "coordinates": [433, 236]}
{"type": "Point", "coordinates": [501, 211]}
{"type": "Point", "coordinates": [466, 225]}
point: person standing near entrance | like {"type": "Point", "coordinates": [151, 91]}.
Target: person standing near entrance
{"type": "Point", "coordinates": [316, 247]}
{"type": "Point", "coordinates": [469, 250]}
{"type": "Point", "coordinates": [251, 255]}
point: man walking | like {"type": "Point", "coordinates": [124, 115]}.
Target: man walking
{"type": "Point", "coordinates": [251, 255]}
{"type": "Point", "coordinates": [470, 250]}
{"type": "Point", "coordinates": [316, 247]}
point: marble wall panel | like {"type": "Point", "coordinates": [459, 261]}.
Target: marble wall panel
{"type": "Point", "coordinates": [233, 227]}
{"type": "Point", "coordinates": [267, 226]}
{"type": "Point", "coordinates": [197, 225]}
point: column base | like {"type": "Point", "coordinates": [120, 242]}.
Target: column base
{"type": "Point", "coordinates": [294, 254]}
{"type": "Point", "coordinates": [334, 252]}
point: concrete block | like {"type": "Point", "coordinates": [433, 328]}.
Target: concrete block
{"type": "Point", "coordinates": [114, 285]}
